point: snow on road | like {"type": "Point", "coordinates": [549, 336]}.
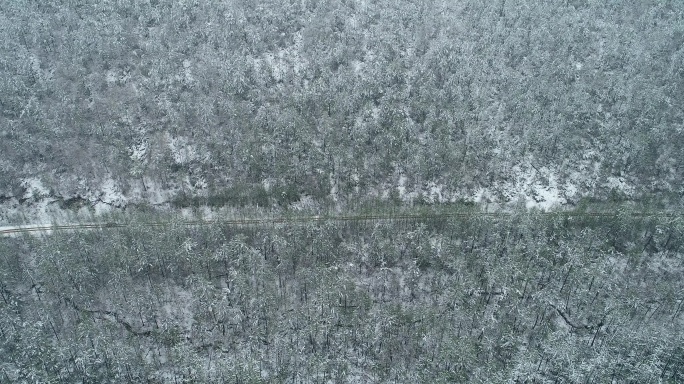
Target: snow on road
{"type": "Point", "coordinates": [17, 230]}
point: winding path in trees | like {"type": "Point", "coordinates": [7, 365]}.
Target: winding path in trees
{"type": "Point", "coordinates": [262, 221]}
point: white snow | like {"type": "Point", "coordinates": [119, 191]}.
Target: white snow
{"type": "Point", "coordinates": [355, 177]}
{"type": "Point", "coordinates": [151, 193]}
{"type": "Point", "coordinates": [619, 184]}
{"type": "Point", "coordinates": [181, 150]}
{"type": "Point", "coordinates": [375, 112]}
{"type": "Point", "coordinates": [401, 187]}
{"type": "Point", "coordinates": [304, 203]}
{"type": "Point", "coordinates": [283, 60]}
{"type": "Point", "coordinates": [545, 198]}
{"type": "Point", "coordinates": [435, 194]}
{"type": "Point", "coordinates": [13, 227]}
{"type": "Point", "coordinates": [139, 151]}
{"type": "Point", "coordinates": [34, 188]}
{"type": "Point", "coordinates": [111, 193]}
{"type": "Point", "coordinates": [110, 76]}
{"type": "Point", "coordinates": [482, 196]}
{"type": "Point", "coordinates": [536, 187]}
{"type": "Point", "coordinates": [187, 71]}
{"type": "Point", "coordinates": [358, 66]}
{"type": "Point", "coordinates": [333, 188]}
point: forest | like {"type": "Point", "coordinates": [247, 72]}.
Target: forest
{"type": "Point", "coordinates": [341, 191]}
{"type": "Point", "coordinates": [520, 298]}
{"type": "Point", "coordinates": [129, 102]}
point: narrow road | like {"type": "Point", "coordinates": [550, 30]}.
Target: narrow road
{"type": "Point", "coordinates": [49, 228]}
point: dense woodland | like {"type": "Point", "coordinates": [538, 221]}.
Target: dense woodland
{"type": "Point", "coordinates": [379, 118]}
{"type": "Point", "coordinates": [521, 298]}
{"type": "Point", "coordinates": [341, 99]}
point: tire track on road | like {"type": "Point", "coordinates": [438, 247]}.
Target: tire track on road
{"type": "Point", "coordinates": [38, 228]}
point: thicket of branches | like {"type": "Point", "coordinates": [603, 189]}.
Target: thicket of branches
{"type": "Point", "coordinates": [527, 298]}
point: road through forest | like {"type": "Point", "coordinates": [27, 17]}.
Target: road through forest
{"type": "Point", "coordinates": [262, 221]}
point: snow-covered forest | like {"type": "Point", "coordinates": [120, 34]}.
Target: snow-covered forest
{"type": "Point", "coordinates": [526, 298]}
{"type": "Point", "coordinates": [358, 128]}
{"type": "Point", "coordinates": [117, 103]}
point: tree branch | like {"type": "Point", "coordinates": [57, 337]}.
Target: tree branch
{"type": "Point", "coordinates": [565, 318]}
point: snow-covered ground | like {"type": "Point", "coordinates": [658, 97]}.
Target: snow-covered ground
{"type": "Point", "coordinates": [535, 187]}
